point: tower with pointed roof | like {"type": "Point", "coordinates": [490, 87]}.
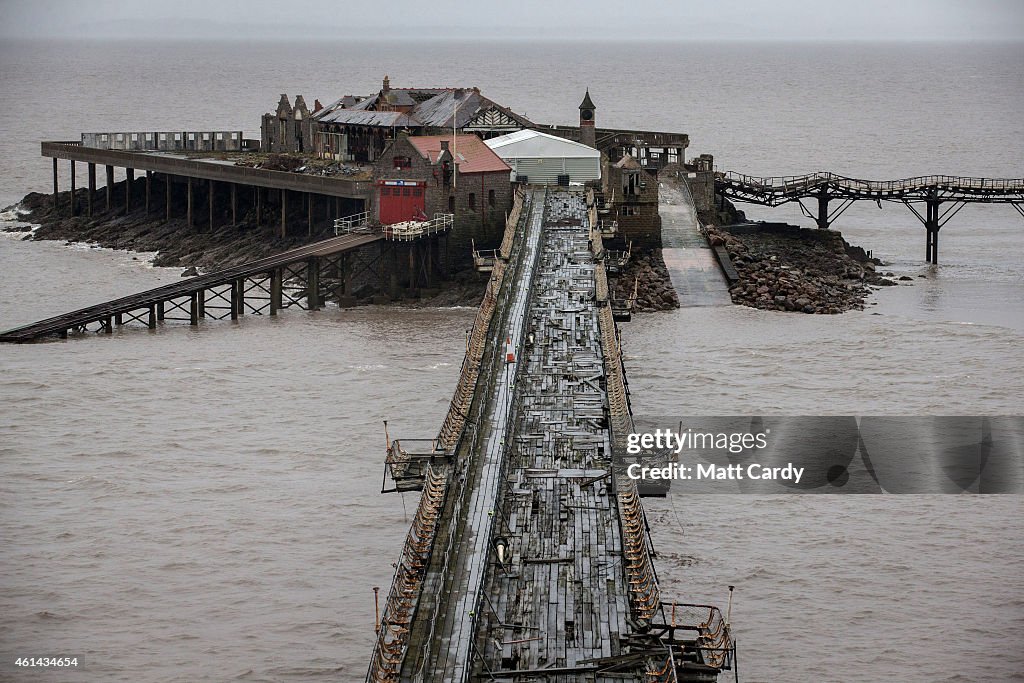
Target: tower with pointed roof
{"type": "Point", "coordinates": [588, 135]}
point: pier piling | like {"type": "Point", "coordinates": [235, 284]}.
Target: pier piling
{"type": "Point", "coordinates": [129, 178]}
{"type": "Point", "coordinates": [74, 206]}
{"type": "Point", "coordinates": [91, 172]}
{"type": "Point", "coordinates": [284, 212]}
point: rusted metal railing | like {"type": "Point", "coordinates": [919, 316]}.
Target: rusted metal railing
{"type": "Point", "coordinates": [393, 631]}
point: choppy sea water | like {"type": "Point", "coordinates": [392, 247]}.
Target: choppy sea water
{"type": "Point", "coordinates": [202, 504]}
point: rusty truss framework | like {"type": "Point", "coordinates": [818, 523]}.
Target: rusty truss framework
{"type": "Point", "coordinates": [932, 191]}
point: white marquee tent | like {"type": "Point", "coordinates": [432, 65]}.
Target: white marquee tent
{"type": "Point", "coordinates": [539, 158]}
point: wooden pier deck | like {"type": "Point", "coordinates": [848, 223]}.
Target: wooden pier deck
{"type": "Point", "coordinates": [291, 278]}
{"type": "Point", "coordinates": [531, 561]}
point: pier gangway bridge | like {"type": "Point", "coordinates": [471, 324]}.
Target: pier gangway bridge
{"type": "Point", "coordinates": [301, 278]}
{"type": "Point", "coordinates": [931, 191]}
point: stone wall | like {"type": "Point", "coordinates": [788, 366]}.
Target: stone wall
{"type": "Point", "coordinates": [289, 129]}
{"type": "Point", "coordinates": [631, 193]}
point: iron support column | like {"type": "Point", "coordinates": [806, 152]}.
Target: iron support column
{"type": "Point", "coordinates": [234, 204]}
{"type": "Point", "coordinates": [823, 211]}
{"type": "Point", "coordinates": [931, 226]}
{"type": "Point", "coordinates": [275, 290]}
{"type": "Point", "coordinates": [190, 223]}
{"type": "Point", "coordinates": [92, 186]}
{"type": "Point", "coordinates": [74, 207]}
{"type": "Point", "coordinates": [149, 189]}
{"type": "Point", "coordinates": [110, 187]}
{"type": "Point", "coordinates": [209, 204]}
{"type": "Point", "coordinates": [129, 178]}
{"type": "Point", "coordinates": [56, 202]}
{"type": "Point", "coordinates": [313, 284]}
{"type": "Point", "coordinates": [167, 197]}
{"type": "Point", "coordinates": [284, 212]}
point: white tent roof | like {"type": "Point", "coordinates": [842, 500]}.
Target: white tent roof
{"type": "Point", "coordinates": [535, 144]}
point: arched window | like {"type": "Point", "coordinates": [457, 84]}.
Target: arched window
{"type": "Point", "coordinates": [451, 203]}
{"type": "Point", "coordinates": [472, 201]}
{"type": "Point", "coordinates": [490, 198]}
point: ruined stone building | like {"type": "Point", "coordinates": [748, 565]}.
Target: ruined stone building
{"type": "Point", "coordinates": [631, 196]}
{"type": "Point", "coordinates": [289, 129]}
{"type": "Point", "coordinates": [357, 129]}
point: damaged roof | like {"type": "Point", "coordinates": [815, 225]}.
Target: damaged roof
{"type": "Point", "coordinates": [362, 117]}
{"type": "Point", "coordinates": [470, 152]}
{"type": "Point", "coordinates": [430, 108]}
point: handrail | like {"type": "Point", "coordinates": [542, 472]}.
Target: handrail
{"type": "Point", "coordinates": [804, 183]}
{"type": "Point", "coordinates": [714, 635]}
{"type": "Point", "coordinates": [357, 222]}
{"type": "Point", "coordinates": [393, 631]}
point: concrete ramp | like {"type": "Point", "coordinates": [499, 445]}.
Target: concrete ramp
{"type": "Point", "coordinates": [691, 264]}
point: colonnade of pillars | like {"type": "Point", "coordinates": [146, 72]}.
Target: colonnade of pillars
{"type": "Point", "coordinates": [319, 210]}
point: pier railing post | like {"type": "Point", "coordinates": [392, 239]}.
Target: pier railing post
{"type": "Point", "coordinates": [194, 309]}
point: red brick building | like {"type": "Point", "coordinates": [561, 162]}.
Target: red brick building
{"type": "Point", "coordinates": [420, 176]}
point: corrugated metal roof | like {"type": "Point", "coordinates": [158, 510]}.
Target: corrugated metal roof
{"type": "Point", "coordinates": [472, 155]}
{"type": "Point", "coordinates": [431, 108]}
{"type": "Point", "coordinates": [533, 143]}
{"type": "Point", "coordinates": [359, 117]}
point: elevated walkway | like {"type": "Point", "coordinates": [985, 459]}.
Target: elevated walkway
{"type": "Point", "coordinates": [291, 278]}
{"type": "Point", "coordinates": [537, 564]}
